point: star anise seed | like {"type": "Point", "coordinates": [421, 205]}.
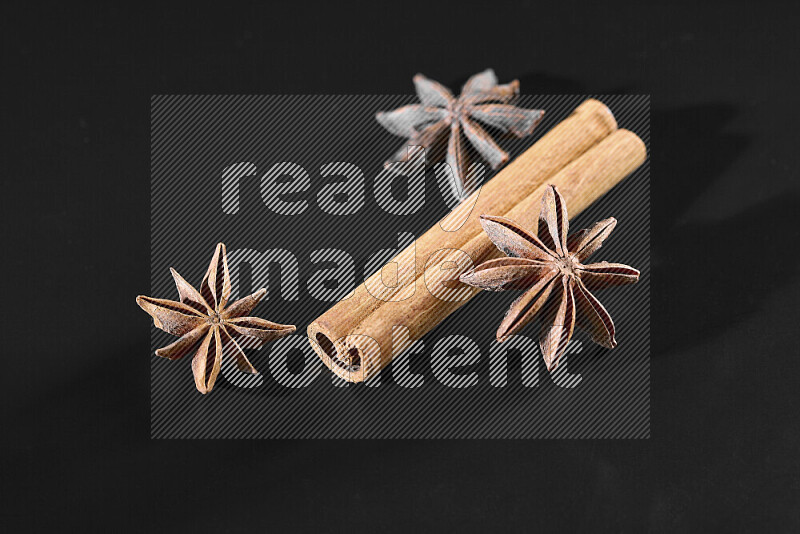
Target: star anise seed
{"type": "Point", "coordinates": [439, 114]}
{"type": "Point", "coordinates": [548, 266]}
{"type": "Point", "coordinates": [204, 322]}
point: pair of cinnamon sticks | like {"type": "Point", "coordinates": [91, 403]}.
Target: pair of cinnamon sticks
{"type": "Point", "coordinates": [584, 156]}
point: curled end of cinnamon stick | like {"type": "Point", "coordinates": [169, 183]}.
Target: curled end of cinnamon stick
{"type": "Point", "coordinates": [345, 357]}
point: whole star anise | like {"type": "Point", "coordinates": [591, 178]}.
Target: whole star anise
{"type": "Point", "coordinates": [441, 115]}
{"type": "Point", "coordinates": [550, 268]}
{"type": "Point", "coordinates": [203, 316]}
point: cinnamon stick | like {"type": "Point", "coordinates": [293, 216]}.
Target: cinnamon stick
{"type": "Point", "coordinates": [369, 347]}
{"type": "Point", "coordinates": [591, 122]}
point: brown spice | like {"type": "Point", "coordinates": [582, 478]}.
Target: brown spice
{"type": "Point", "coordinates": [549, 266]}
{"type": "Point", "coordinates": [440, 116]}
{"type": "Point", "coordinates": [203, 316]}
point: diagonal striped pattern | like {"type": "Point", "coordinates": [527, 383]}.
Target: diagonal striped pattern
{"type": "Point", "coordinates": [217, 163]}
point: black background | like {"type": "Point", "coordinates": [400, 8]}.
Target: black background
{"type": "Point", "coordinates": [723, 453]}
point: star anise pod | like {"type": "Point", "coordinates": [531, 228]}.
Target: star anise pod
{"type": "Point", "coordinates": [205, 322]}
{"type": "Point", "coordinates": [549, 268]}
{"type": "Point", "coordinates": [440, 115]}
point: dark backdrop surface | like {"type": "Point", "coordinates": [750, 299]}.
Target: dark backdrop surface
{"type": "Point", "coordinates": [76, 451]}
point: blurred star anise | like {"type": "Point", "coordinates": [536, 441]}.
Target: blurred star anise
{"type": "Point", "coordinates": [204, 322]}
{"type": "Point", "coordinates": [439, 114]}
{"type": "Point", "coordinates": [550, 268]}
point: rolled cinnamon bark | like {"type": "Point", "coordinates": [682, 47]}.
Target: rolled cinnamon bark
{"type": "Point", "coordinates": [353, 338]}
